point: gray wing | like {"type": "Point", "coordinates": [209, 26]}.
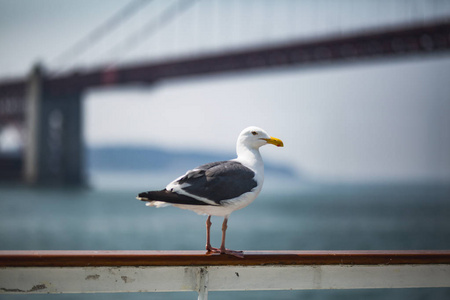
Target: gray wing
{"type": "Point", "coordinates": [219, 181]}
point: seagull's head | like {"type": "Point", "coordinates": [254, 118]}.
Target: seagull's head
{"type": "Point", "coordinates": [255, 137]}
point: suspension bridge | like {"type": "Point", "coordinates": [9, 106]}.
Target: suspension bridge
{"type": "Point", "coordinates": [46, 106]}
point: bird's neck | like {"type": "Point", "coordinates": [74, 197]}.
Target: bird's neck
{"type": "Point", "coordinates": [250, 157]}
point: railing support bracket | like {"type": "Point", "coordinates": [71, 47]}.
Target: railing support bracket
{"type": "Point", "coordinates": [203, 280]}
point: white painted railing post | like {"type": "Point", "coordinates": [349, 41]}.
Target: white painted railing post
{"type": "Point", "coordinates": [203, 278]}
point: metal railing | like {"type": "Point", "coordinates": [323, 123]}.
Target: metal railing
{"type": "Point", "coordinates": [30, 272]}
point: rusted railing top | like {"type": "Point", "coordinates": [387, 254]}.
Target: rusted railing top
{"type": "Point", "coordinates": [57, 258]}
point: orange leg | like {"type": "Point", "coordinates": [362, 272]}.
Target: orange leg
{"type": "Point", "coordinates": [224, 250]}
{"type": "Point", "coordinates": [209, 249]}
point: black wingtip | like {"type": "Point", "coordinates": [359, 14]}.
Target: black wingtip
{"type": "Point", "coordinates": [169, 197]}
{"type": "Point", "coordinates": [143, 195]}
{"type": "Point", "coordinates": [150, 195]}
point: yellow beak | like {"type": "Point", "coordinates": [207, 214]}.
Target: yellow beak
{"type": "Point", "coordinates": [274, 141]}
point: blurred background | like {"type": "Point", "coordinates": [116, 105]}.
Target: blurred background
{"type": "Point", "coordinates": [102, 100]}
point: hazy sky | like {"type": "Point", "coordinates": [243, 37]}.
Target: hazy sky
{"type": "Point", "coordinates": [367, 121]}
{"type": "Point", "coordinates": [379, 120]}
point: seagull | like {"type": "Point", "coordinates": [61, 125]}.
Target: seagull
{"type": "Point", "coordinates": [219, 188]}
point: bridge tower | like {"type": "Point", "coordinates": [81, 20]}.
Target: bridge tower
{"type": "Point", "coordinates": [54, 147]}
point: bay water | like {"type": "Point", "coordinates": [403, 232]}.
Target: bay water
{"type": "Point", "coordinates": [317, 217]}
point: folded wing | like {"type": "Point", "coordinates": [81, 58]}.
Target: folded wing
{"type": "Point", "coordinates": [209, 184]}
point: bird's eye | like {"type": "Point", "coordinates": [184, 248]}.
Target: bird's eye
{"type": "Point", "coordinates": [254, 133]}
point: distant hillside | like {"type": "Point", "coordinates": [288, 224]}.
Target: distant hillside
{"type": "Point", "coordinates": [153, 160]}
